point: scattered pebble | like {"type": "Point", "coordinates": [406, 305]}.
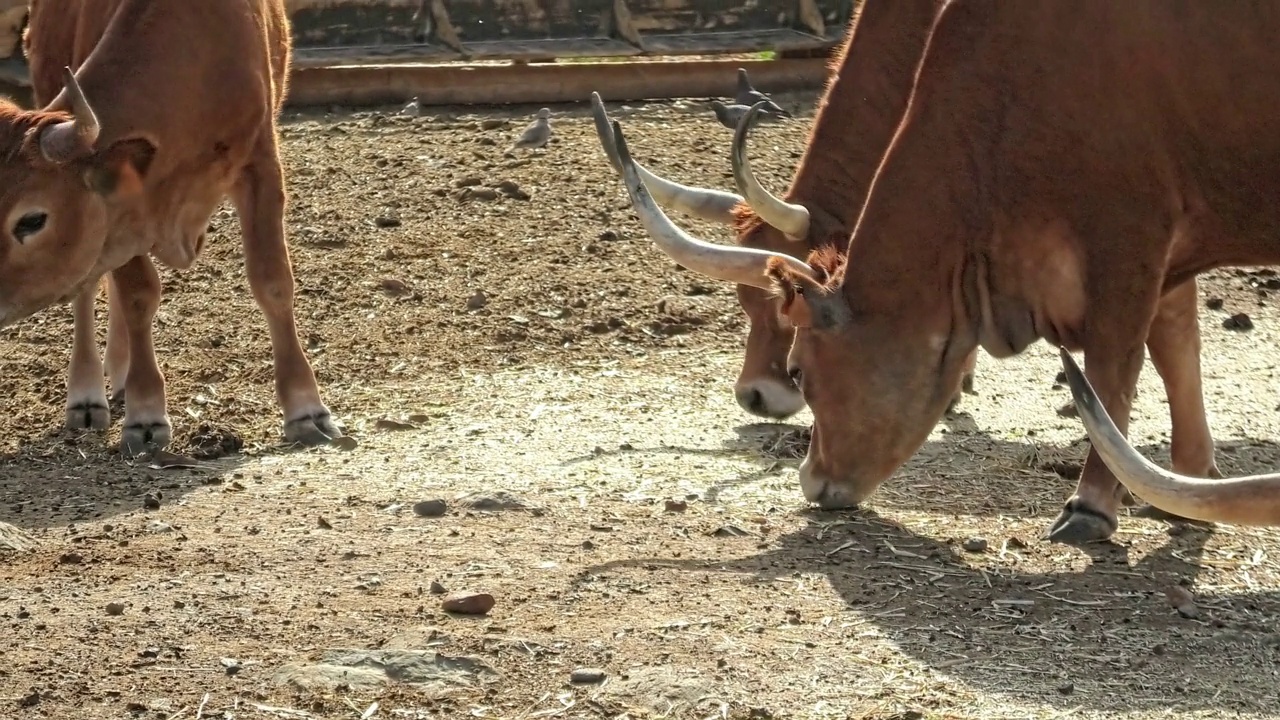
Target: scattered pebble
{"type": "Point", "coordinates": [587, 675]}
{"type": "Point", "coordinates": [436, 588]}
{"type": "Point", "coordinates": [468, 603]}
{"type": "Point", "coordinates": [430, 508]}
{"type": "Point", "coordinates": [975, 545]}
{"type": "Point", "coordinates": [1183, 601]}
{"type": "Point", "coordinates": [151, 501]}
{"type": "Point", "coordinates": [512, 190]}
{"type": "Point", "coordinates": [676, 506]}
{"type": "Point", "coordinates": [71, 558]}
{"type": "Point", "coordinates": [115, 608]}
{"type": "Point", "coordinates": [346, 442]}
{"type": "Point", "coordinates": [1213, 303]}
{"type": "Point", "coordinates": [386, 221]}
{"type": "Point", "coordinates": [1239, 321]}
{"type": "Point", "coordinates": [477, 301]}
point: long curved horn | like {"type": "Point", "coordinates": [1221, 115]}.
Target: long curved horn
{"type": "Point", "coordinates": [704, 203]}
{"type": "Point", "coordinates": [735, 264]}
{"type": "Point", "coordinates": [791, 219]}
{"type": "Point", "coordinates": [1251, 500]}
{"type": "Point", "coordinates": [73, 138]}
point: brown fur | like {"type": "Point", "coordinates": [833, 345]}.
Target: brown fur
{"type": "Point", "coordinates": [187, 95]}
{"type": "Point", "coordinates": [865, 96]}
{"type": "Point", "coordinates": [1061, 178]}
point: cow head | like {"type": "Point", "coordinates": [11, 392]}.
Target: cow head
{"type": "Point", "coordinates": [872, 409]}
{"type": "Point", "coordinates": [55, 184]}
{"type": "Point", "coordinates": [763, 222]}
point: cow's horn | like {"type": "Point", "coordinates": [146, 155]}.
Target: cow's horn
{"type": "Point", "coordinates": [791, 219]}
{"type": "Point", "coordinates": [704, 203]}
{"type": "Point", "coordinates": [1252, 500]}
{"type": "Point", "coordinates": [735, 264]}
{"type": "Point", "coordinates": [73, 138]}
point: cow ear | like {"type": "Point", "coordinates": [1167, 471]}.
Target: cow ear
{"type": "Point", "coordinates": [790, 288]}
{"type": "Point", "coordinates": [118, 171]}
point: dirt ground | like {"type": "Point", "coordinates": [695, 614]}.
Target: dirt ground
{"type": "Point", "coordinates": [539, 367]}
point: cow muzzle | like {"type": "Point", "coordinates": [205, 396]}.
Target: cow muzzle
{"type": "Point", "coordinates": [769, 398]}
{"type": "Point", "coordinates": [822, 490]}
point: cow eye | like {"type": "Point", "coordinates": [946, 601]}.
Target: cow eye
{"type": "Point", "coordinates": [29, 224]}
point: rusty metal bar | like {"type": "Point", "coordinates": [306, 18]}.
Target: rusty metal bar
{"type": "Point", "coordinates": [501, 84]}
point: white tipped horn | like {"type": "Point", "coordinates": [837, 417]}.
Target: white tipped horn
{"type": "Point", "coordinates": [791, 219]}
{"type": "Point", "coordinates": [1250, 500]}
{"type": "Point", "coordinates": [73, 138]}
{"type": "Point", "coordinates": [705, 203]}
{"type": "Point", "coordinates": [741, 265]}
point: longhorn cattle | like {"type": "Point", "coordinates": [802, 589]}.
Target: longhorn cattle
{"type": "Point", "coordinates": [866, 96]}
{"type": "Point", "coordinates": [1252, 500]}
{"type": "Point", "coordinates": [171, 108]}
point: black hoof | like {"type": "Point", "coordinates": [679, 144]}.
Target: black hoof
{"type": "Point", "coordinates": [88, 416]}
{"type": "Point", "coordinates": [1079, 525]}
{"type": "Point", "coordinates": [139, 438]}
{"type": "Point", "coordinates": [312, 430]}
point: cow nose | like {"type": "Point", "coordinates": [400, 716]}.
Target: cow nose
{"type": "Point", "coordinates": [752, 400]}
{"type": "Point", "coordinates": [819, 489]}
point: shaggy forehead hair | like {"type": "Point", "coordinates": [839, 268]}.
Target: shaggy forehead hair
{"type": "Point", "coordinates": [20, 130]}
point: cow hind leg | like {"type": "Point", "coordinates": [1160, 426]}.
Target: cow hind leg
{"type": "Point", "coordinates": [86, 394]}
{"type": "Point", "coordinates": [1174, 344]}
{"type": "Point", "coordinates": [117, 344]}
{"type": "Point", "coordinates": [260, 199]}
{"type": "Point", "coordinates": [146, 422]}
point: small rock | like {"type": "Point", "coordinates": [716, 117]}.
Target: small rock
{"type": "Point", "coordinates": [430, 508]}
{"type": "Point", "coordinates": [386, 221]}
{"type": "Point", "coordinates": [512, 190]}
{"type": "Point", "coordinates": [608, 236]}
{"type": "Point", "coordinates": [975, 545]}
{"type": "Point", "coordinates": [323, 523]}
{"type": "Point", "coordinates": [1067, 688]}
{"type": "Point", "coordinates": [675, 506]}
{"type": "Point", "coordinates": [346, 442]}
{"type": "Point", "coordinates": [468, 603]}
{"type": "Point", "coordinates": [1213, 303]}
{"type": "Point", "coordinates": [478, 194]}
{"type": "Point", "coordinates": [477, 301]}
{"type": "Point", "coordinates": [71, 558]}
{"type": "Point", "coordinates": [1061, 379]}
{"type": "Point", "coordinates": [500, 500]}
{"type": "Point", "coordinates": [394, 286]}
{"type": "Point", "coordinates": [1239, 321]}
{"type": "Point", "coordinates": [493, 123]}
{"type": "Point", "coordinates": [1182, 601]}
{"type": "Point", "coordinates": [1069, 410]}
{"type": "Point", "coordinates": [115, 608]}
{"type": "Point", "coordinates": [467, 182]}
{"type": "Point", "coordinates": [151, 501]}
{"type": "Point", "coordinates": [436, 588]}
{"type": "Point", "coordinates": [587, 675]}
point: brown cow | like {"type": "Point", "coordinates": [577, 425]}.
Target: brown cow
{"type": "Point", "coordinates": [1173, 337]}
{"type": "Point", "coordinates": [1252, 500]}
{"type": "Point", "coordinates": [173, 107]}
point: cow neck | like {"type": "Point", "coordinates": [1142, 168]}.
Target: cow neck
{"type": "Point", "coordinates": [866, 96]}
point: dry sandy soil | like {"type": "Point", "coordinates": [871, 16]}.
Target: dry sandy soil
{"type": "Point", "coordinates": [600, 481]}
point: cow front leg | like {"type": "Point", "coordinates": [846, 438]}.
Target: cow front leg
{"type": "Point", "coordinates": [146, 422]}
{"type": "Point", "coordinates": [86, 393]}
{"type": "Point", "coordinates": [1174, 344]}
{"type": "Point", "coordinates": [1122, 308]}
{"type": "Point", "coordinates": [260, 199]}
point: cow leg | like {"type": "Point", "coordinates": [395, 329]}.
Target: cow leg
{"type": "Point", "coordinates": [146, 423]}
{"type": "Point", "coordinates": [1113, 353]}
{"type": "Point", "coordinates": [260, 199]}
{"type": "Point", "coordinates": [1174, 344]}
{"type": "Point", "coordinates": [117, 343]}
{"type": "Point", "coordinates": [86, 394]}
